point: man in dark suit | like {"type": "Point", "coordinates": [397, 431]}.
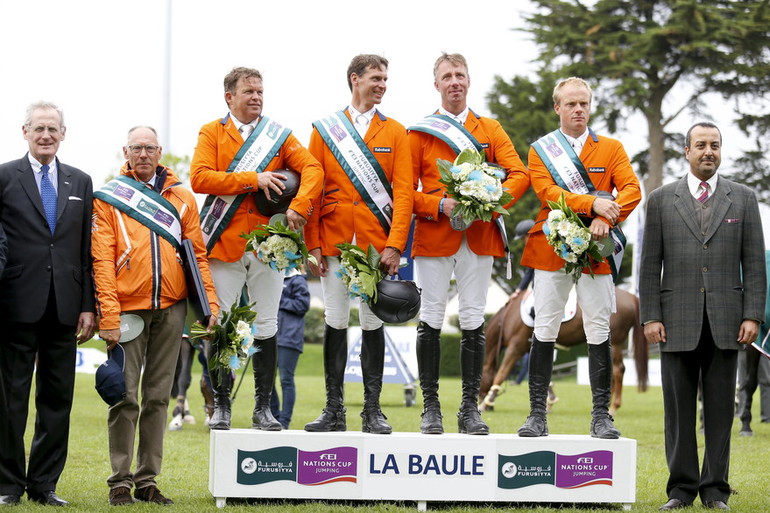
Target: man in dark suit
{"type": "Point", "coordinates": [705, 234]}
{"type": "Point", "coordinates": [46, 305]}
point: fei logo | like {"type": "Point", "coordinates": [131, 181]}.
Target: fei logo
{"type": "Point", "coordinates": [562, 471]}
{"type": "Point", "coordinates": [590, 468]}
{"type": "Point", "coordinates": [338, 464]}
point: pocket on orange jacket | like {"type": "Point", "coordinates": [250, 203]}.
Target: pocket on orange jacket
{"type": "Point", "coordinates": [328, 208]}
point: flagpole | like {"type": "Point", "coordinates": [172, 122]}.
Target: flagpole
{"type": "Point", "coordinates": [165, 132]}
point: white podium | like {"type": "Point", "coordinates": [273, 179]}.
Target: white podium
{"type": "Point", "coordinates": [415, 467]}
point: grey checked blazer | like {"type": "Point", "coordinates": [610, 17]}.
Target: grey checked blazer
{"type": "Point", "coordinates": [681, 269]}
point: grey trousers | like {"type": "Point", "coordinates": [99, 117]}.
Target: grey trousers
{"type": "Point", "coordinates": [753, 372]}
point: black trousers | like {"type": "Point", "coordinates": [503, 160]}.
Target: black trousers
{"type": "Point", "coordinates": [54, 346]}
{"type": "Point", "coordinates": [681, 372]}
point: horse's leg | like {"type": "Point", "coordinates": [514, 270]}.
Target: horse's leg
{"type": "Point", "coordinates": [493, 340]}
{"type": "Point", "coordinates": [618, 370]}
{"type": "Point", "coordinates": [513, 353]}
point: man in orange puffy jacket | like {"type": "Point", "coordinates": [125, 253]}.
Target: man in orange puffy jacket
{"type": "Point", "coordinates": [140, 219]}
{"type": "Point", "coordinates": [378, 159]}
{"type": "Point", "coordinates": [234, 162]}
{"type": "Point", "coordinates": [439, 250]}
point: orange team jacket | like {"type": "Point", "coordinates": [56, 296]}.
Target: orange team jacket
{"type": "Point", "coordinates": [433, 235]}
{"type": "Point", "coordinates": [218, 142]}
{"type": "Point", "coordinates": [343, 212]}
{"type": "Point", "coordinates": [609, 169]}
{"type": "Point", "coordinates": [128, 275]}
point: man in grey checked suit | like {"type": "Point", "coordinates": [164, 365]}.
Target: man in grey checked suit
{"type": "Point", "coordinates": [705, 234]}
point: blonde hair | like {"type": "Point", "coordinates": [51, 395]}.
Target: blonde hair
{"type": "Point", "coordinates": [570, 81]}
{"type": "Point", "coordinates": [455, 59]}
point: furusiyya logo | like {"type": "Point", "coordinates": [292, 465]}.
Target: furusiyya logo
{"type": "Point", "coordinates": [560, 470]}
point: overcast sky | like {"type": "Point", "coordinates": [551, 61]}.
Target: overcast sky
{"type": "Point", "coordinates": [103, 62]}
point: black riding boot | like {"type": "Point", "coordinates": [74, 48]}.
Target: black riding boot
{"type": "Point", "coordinates": [265, 360]}
{"type": "Point", "coordinates": [335, 351]}
{"type": "Point", "coordinates": [600, 375]}
{"type": "Point", "coordinates": [428, 362]}
{"type": "Point", "coordinates": [471, 361]}
{"type": "Point", "coordinates": [222, 381]}
{"type": "Point", "coordinates": [372, 361]}
{"type": "Point", "coordinates": [540, 368]}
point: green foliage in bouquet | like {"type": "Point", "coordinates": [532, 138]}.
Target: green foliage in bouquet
{"type": "Point", "coordinates": [232, 339]}
{"type": "Point", "coordinates": [359, 271]}
{"type": "Point", "coordinates": [475, 184]}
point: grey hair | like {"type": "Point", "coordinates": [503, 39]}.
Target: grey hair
{"type": "Point", "coordinates": [43, 105]}
{"type": "Point", "coordinates": [137, 127]}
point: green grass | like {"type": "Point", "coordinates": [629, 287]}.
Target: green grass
{"type": "Point", "coordinates": [185, 466]}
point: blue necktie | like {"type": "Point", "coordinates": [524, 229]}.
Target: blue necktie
{"type": "Point", "coordinates": [48, 195]}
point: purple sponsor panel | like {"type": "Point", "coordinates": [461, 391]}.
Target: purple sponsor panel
{"type": "Point", "coordinates": [334, 464]}
{"type": "Point", "coordinates": [124, 192]}
{"type": "Point", "coordinates": [574, 471]}
{"type": "Point", "coordinates": [337, 132]}
{"type": "Point", "coordinates": [163, 218]}
{"type": "Point", "coordinates": [554, 149]}
{"type": "Point", "coordinates": [217, 208]}
{"type": "Point", "coordinates": [441, 125]}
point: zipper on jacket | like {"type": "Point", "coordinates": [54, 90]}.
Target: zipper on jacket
{"type": "Point", "coordinates": [156, 270]}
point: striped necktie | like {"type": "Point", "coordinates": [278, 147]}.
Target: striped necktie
{"type": "Point", "coordinates": [48, 195]}
{"type": "Point", "coordinates": [705, 194]}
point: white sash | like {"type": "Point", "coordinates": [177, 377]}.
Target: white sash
{"type": "Point", "coordinates": [359, 164]}
{"type": "Point", "coordinates": [254, 155]}
{"type": "Point", "coordinates": [145, 205]}
{"type": "Point", "coordinates": [449, 131]}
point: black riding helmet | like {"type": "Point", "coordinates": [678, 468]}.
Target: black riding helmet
{"type": "Point", "coordinates": [279, 203]}
{"type": "Point", "coordinates": [397, 301]}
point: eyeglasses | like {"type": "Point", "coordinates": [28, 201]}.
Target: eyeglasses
{"type": "Point", "coordinates": [136, 149]}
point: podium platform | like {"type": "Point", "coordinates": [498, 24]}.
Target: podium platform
{"type": "Point", "coordinates": [295, 464]}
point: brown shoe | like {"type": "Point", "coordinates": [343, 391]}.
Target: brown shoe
{"type": "Point", "coordinates": [152, 494]}
{"type": "Point", "coordinates": [120, 496]}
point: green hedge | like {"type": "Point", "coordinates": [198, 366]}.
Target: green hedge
{"type": "Point", "coordinates": [450, 354]}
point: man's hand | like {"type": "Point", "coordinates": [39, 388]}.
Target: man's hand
{"type": "Point", "coordinates": [295, 219]}
{"type": "Point", "coordinates": [270, 180]}
{"type": "Point", "coordinates": [390, 260]}
{"type": "Point", "coordinates": [86, 327]}
{"type": "Point", "coordinates": [449, 205]}
{"type": "Point", "coordinates": [599, 229]}
{"type": "Point", "coordinates": [111, 337]}
{"type": "Point", "coordinates": [606, 208]}
{"type": "Point", "coordinates": [321, 268]}
{"type": "Point", "coordinates": [748, 331]}
{"type": "Point", "coordinates": [212, 322]}
{"type": "Point", "coordinates": [655, 332]}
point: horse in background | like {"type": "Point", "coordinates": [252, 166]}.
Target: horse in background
{"type": "Point", "coordinates": [506, 330]}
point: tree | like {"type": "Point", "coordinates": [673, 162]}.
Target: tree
{"type": "Point", "coordinates": [640, 52]}
{"type": "Point", "coordinates": [179, 165]}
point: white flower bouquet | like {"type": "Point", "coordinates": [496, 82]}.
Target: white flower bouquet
{"type": "Point", "coordinates": [476, 185]}
{"type": "Point", "coordinates": [359, 271]}
{"type": "Point", "coordinates": [232, 339]}
{"type": "Point", "coordinates": [278, 246]}
{"type": "Point", "coordinates": [570, 239]}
